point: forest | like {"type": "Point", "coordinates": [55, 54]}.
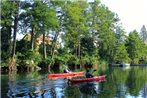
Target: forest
{"type": "Point", "coordinates": [76, 33]}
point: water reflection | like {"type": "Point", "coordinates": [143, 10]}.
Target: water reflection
{"type": "Point", "coordinates": [144, 91]}
{"type": "Point", "coordinates": [119, 84]}
{"type": "Point", "coordinates": [72, 91]}
{"type": "Point", "coordinates": [90, 88]}
{"type": "Point", "coordinates": [30, 85]}
{"type": "Point", "coordinates": [136, 80]}
{"type": "Point", "coordinates": [125, 83]}
{"type": "Point", "coordinates": [12, 84]}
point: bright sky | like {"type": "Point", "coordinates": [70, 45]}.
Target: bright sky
{"type": "Point", "coordinates": [132, 13]}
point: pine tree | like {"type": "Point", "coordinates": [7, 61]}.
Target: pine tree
{"type": "Point", "coordinates": [143, 34]}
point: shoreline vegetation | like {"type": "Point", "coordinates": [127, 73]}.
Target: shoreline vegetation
{"type": "Point", "coordinates": [79, 34]}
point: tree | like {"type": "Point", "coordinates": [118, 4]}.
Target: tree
{"type": "Point", "coordinates": [135, 47]}
{"type": "Point", "coordinates": [59, 26]}
{"type": "Point", "coordinates": [11, 23]}
{"type": "Point", "coordinates": [40, 17]}
{"type": "Point", "coordinates": [87, 46]}
{"type": "Point", "coordinates": [75, 25]}
{"type": "Point", "coordinates": [48, 21]}
{"type": "Point", "coordinates": [143, 34]}
{"type": "Point", "coordinates": [7, 8]}
{"type": "Point", "coordinates": [31, 20]}
{"type": "Point", "coordinates": [102, 24]}
{"type": "Point", "coordinates": [120, 54]}
{"type": "Point", "coordinates": [16, 16]}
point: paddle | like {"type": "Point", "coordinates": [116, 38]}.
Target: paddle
{"type": "Point", "coordinates": [94, 70]}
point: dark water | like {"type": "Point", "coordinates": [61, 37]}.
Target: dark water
{"type": "Point", "coordinates": [120, 83]}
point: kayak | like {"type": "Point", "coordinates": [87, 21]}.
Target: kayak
{"type": "Point", "coordinates": [62, 77]}
{"type": "Point", "coordinates": [95, 78]}
{"type": "Point", "coordinates": [65, 75]}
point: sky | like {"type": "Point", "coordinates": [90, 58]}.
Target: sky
{"type": "Point", "coordinates": [132, 13]}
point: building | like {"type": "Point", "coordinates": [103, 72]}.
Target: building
{"type": "Point", "coordinates": [39, 40]}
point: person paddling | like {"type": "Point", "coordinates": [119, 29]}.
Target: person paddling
{"type": "Point", "coordinates": [88, 74]}
{"type": "Point", "coordinates": [66, 70]}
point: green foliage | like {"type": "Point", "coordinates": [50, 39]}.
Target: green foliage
{"type": "Point", "coordinates": [8, 8]}
{"type": "Point", "coordinates": [145, 55]}
{"type": "Point", "coordinates": [48, 48]}
{"type": "Point", "coordinates": [135, 47]}
{"type": "Point", "coordinates": [25, 56]}
{"type": "Point", "coordinates": [72, 60]}
{"type": "Point", "coordinates": [29, 58]}
{"type": "Point", "coordinates": [89, 60]}
{"type": "Point", "coordinates": [22, 46]}
{"type": "Point", "coordinates": [87, 46]}
{"type": "Point", "coordinates": [120, 54]}
{"type": "Point", "coordinates": [75, 23]}
{"type": "Point", "coordinates": [102, 28]}
{"type": "Point", "coordinates": [7, 11]}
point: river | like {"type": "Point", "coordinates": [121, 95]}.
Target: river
{"type": "Point", "coordinates": [120, 83]}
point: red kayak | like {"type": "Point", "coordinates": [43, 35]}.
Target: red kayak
{"type": "Point", "coordinates": [65, 75]}
{"type": "Point", "coordinates": [96, 78]}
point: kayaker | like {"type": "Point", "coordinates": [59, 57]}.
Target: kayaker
{"type": "Point", "coordinates": [66, 70]}
{"type": "Point", "coordinates": [88, 74]}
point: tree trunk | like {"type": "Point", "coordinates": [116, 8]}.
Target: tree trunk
{"type": "Point", "coordinates": [54, 44]}
{"type": "Point", "coordinates": [14, 35]}
{"type": "Point", "coordinates": [76, 50]}
{"type": "Point", "coordinates": [44, 47]}
{"type": "Point", "coordinates": [12, 66]}
{"type": "Point", "coordinates": [53, 48]}
{"type": "Point", "coordinates": [32, 39]}
{"type": "Point", "coordinates": [79, 49]}
{"type": "Point", "coordinates": [75, 67]}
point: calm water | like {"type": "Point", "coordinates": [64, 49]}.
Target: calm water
{"type": "Point", "coordinates": [120, 83]}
